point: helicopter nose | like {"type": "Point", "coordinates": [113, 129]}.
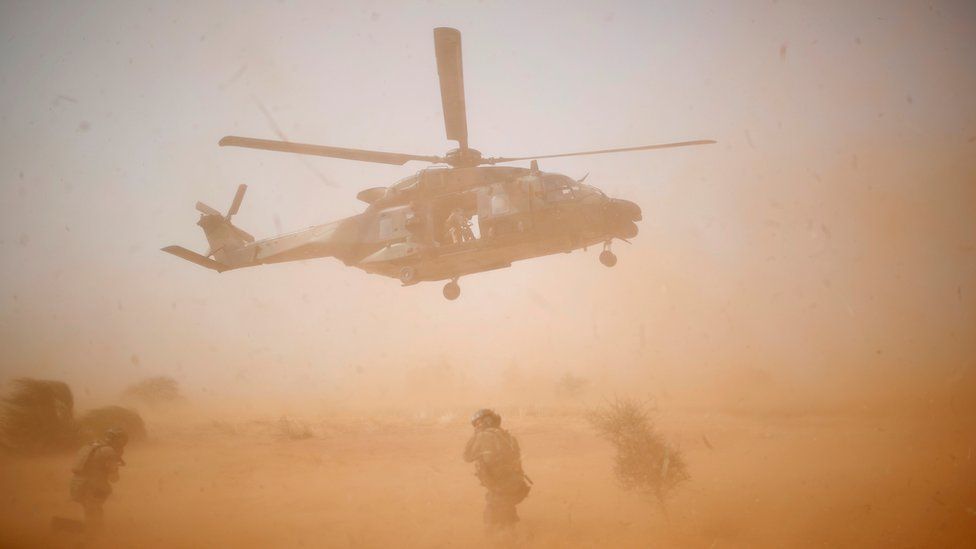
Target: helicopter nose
{"type": "Point", "coordinates": [625, 209]}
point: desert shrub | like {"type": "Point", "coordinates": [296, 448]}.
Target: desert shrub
{"type": "Point", "coordinates": [294, 430]}
{"type": "Point", "coordinates": [154, 390]}
{"type": "Point", "coordinates": [38, 416]}
{"type": "Point", "coordinates": [645, 462]}
{"type": "Point", "coordinates": [571, 386]}
{"type": "Point", "coordinates": [94, 423]}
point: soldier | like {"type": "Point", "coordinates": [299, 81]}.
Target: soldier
{"type": "Point", "coordinates": [498, 465]}
{"type": "Point", "coordinates": [458, 227]}
{"type": "Point", "coordinates": [96, 466]}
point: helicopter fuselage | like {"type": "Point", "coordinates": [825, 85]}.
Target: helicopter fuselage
{"type": "Point", "coordinates": [442, 222]}
{"type": "Point", "coordinates": [501, 215]}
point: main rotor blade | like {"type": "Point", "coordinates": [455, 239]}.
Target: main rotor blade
{"type": "Point", "coordinates": [320, 150]}
{"type": "Point", "coordinates": [500, 159]}
{"type": "Point", "coordinates": [238, 198]}
{"type": "Point", "coordinates": [447, 48]}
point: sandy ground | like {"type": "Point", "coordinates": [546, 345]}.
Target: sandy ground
{"type": "Point", "coordinates": [385, 480]}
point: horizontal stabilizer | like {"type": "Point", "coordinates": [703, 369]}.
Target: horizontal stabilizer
{"type": "Point", "coordinates": [194, 257]}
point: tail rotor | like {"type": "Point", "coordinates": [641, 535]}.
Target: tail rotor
{"type": "Point", "coordinates": [236, 204]}
{"type": "Point", "coordinates": [213, 218]}
{"type": "Point", "coordinates": [207, 210]}
{"type": "Point", "coordinates": [227, 241]}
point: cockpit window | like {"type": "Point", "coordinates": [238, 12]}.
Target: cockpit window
{"type": "Point", "coordinates": [558, 187]}
{"type": "Point", "coordinates": [386, 226]}
{"type": "Point", "coordinates": [589, 189]}
{"type": "Point", "coordinates": [553, 180]}
{"type": "Point", "coordinates": [393, 222]}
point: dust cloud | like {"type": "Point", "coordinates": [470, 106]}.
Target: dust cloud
{"type": "Point", "coordinates": [799, 307]}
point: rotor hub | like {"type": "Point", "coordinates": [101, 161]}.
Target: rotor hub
{"type": "Point", "coordinates": [464, 158]}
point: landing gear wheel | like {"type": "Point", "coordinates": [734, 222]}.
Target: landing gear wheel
{"type": "Point", "coordinates": [408, 275]}
{"type": "Point", "coordinates": [608, 258]}
{"type": "Point", "coordinates": [452, 291]}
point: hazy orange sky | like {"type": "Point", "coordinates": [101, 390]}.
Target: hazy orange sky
{"type": "Point", "coordinates": [832, 228]}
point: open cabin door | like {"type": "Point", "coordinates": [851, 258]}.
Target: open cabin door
{"type": "Point", "coordinates": [504, 210]}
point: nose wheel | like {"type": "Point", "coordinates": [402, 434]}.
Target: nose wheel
{"type": "Point", "coordinates": [408, 276]}
{"type": "Point", "coordinates": [451, 290]}
{"type": "Point", "coordinates": [607, 257]}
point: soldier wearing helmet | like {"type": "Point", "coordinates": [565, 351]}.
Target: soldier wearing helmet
{"type": "Point", "coordinates": [498, 465]}
{"type": "Point", "coordinates": [95, 468]}
{"type": "Point", "coordinates": [458, 227]}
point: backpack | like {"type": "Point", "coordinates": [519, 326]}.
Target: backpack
{"type": "Point", "coordinates": [84, 457]}
{"type": "Point", "coordinates": [504, 473]}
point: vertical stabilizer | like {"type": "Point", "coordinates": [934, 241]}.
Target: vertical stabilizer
{"type": "Point", "coordinates": [227, 242]}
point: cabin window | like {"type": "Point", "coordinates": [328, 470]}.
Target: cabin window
{"type": "Point", "coordinates": [500, 205]}
{"type": "Point", "coordinates": [386, 226]}
{"type": "Point", "coordinates": [395, 222]}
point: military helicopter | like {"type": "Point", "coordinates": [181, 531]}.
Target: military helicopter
{"type": "Point", "coordinates": [465, 216]}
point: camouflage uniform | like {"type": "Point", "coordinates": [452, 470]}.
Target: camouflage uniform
{"type": "Point", "coordinates": [498, 459]}
{"type": "Point", "coordinates": [96, 467]}
{"type": "Point", "coordinates": [458, 227]}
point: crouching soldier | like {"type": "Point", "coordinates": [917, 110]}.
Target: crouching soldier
{"type": "Point", "coordinates": [498, 462]}
{"type": "Point", "coordinates": [96, 467]}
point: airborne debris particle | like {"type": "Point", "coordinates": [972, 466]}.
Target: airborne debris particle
{"type": "Point", "coordinates": [57, 100]}
{"type": "Point", "coordinates": [223, 85]}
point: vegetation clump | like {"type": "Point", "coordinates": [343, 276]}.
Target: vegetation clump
{"type": "Point", "coordinates": [645, 462]}
{"type": "Point", "coordinates": [37, 416]}
{"type": "Point", "coordinates": [293, 430]}
{"type": "Point", "coordinates": [571, 386]}
{"type": "Point", "coordinates": [154, 391]}
{"type": "Point", "coordinates": [95, 422]}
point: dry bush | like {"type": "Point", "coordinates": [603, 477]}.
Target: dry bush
{"type": "Point", "coordinates": [293, 430]}
{"type": "Point", "coordinates": [38, 416]}
{"type": "Point", "coordinates": [155, 391]}
{"type": "Point", "coordinates": [645, 462]}
{"type": "Point", "coordinates": [95, 422]}
{"type": "Point", "coordinates": [571, 386]}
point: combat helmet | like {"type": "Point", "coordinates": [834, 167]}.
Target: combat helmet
{"type": "Point", "coordinates": [116, 437]}
{"type": "Point", "coordinates": [494, 420]}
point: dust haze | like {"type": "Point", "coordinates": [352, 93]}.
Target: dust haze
{"type": "Point", "coordinates": [799, 307]}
